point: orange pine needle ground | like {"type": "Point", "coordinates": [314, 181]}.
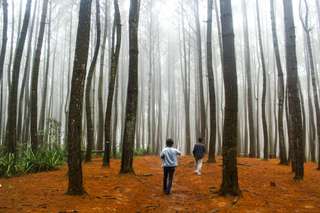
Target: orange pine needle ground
{"type": "Point", "coordinates": [266, 187]}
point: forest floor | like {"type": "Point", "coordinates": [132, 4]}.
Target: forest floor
{"type": "Point", "coordinates": [266, 187]}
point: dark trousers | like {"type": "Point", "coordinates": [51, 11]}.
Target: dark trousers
{"type": "Point", "coordinates": [168, 173]}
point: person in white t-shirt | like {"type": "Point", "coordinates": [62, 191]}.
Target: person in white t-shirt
{"type": "Point", "coordinates": [169, 163]}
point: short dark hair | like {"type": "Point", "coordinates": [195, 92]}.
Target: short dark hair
{"type": "Point", "coordinates": [169, 142]}
{"type": "Point", "coordinates": [200, 140]}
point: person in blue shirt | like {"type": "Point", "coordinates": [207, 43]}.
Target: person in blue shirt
{"type": "Point", "coordinates": [199, 151]}
{"type": "Point", "coordinates": [169, 163]}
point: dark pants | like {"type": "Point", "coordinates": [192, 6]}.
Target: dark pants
{"type": "Point", "coordinates": [168, 178]}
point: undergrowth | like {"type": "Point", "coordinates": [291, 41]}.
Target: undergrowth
{"type": "Point", "coordinates": [28, 161]}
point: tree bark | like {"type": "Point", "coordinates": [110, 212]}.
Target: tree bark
{"type": "Point", "coordinates": [35, 77]}
{"type": "Point", "coordinates": [229, 184]}
{"type": "Point", "coordinates": [43, 107]}
{"type": "Point", "coordinates": [307, 30]}
{"type": "Point", "coordinates": [25, 80]}
{"type": "Point", "coordinates": [115, 52]}
{"type": "Point", "coordinates": [264, 90]}
{"type": "Point", "coordinates": [100, 137]}
{"type": "Point", "coordinates": [293, 91]}
{"type": "Point", "coordinates": [212, 95]}
{"type": "Point", "coordinates": [4, 37]}
{"type": "Point", "coordinates": [203, 126]}
{"type": "Point", "coordinates": [90, 126]}
{"type": "Point", "coordinates": [282, 145]}
{"type": "Point", "coordinates": [11, 134]}
{"type": "Point", "coordinates": [3, 55]}
{"type": "Point", "coordinates": [247, 55]}
{"type": "Point", "coordinates": [75, 186]}
{"type": "Point", "coordinates": [132, 91]}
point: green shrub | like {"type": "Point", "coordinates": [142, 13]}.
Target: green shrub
{"type": "Point", "coordinates": [8, 165]}
{"type": "Point", "coordinates": [43, 160]}
{"type": "Point", "coordinates": [140, 152]}
{"type": "Point", "coordinates": [29, 162]}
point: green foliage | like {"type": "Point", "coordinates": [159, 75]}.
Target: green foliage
{"type": "Point", "coordinates": [140, 152]}
{"type": "Point", "coordinates": [8, 166]}
{"type": "Point", "coordinates": [41, 160]}
{"type": "Point", "coordinates": [30, 162]}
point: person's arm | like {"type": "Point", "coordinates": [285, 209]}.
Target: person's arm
{"type": "Point", "coordinates": [162, 155]}
{"type": "Point", "coordinates": [194, 150]}
{"type": "Point", "coordinates": [178, 153]}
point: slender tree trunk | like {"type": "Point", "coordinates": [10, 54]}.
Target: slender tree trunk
{"type": "Point", "coordinates": [11, 134]}
{"type": "Point", "coordinates": [132, 91]}
{"type": "Point", "coordinates": [11, 45]}
{"type": "Point", "coordinates": [247, 55]}
{"type": "Point", "coordinates": [4, 37]}
{"type": "Point", "coordinates": [75, 186]}
{"type": "Point", "coordinates": [264, 91]}
{"type": "Point", "coordinates": [312, 128]}
{"type": "Point", "coordinates": [212, 95]}
{"type": "Point", "coordinates": [295, 132]}
{"type": "Point", "coordinates": [115, 52]}
{"type": "Point", "coordinates": [282, 145]}
{"type": "Point", "coordinates": [101, 77]}
{"type": "Point", "coordinates": [229, 184]}
{"type": "Point", "coordinates": [90, 126]}
{"type": "Point", "coordinates": [42, 115]}
{"type": "Point", "coordinates": [69, 73]}
{"type": "Point", "coordinates": [115, 118]}
{"type": "Point", "coordinates": [203, 126]}
{"type": "Point", "coordinates": [307, 29]}
{"type": "Point", "coordinates": [3, 55]}
{"type": "Point", "coordinates": [35, 77]}
{"type": "Point", "coordinates": [25, 80]}
{"type": "Point", "coordinates": [318, 11]}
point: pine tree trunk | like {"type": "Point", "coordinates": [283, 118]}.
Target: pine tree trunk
{"type": "Point", "coordinates": [295, 132]}
{"type": "Point", "coordinates": [75, 186]}
{"type": "Point", "coordinates": [90, 126]}
{"type": "Point", "coordinates": [11, 45]}
{"type": "Point", "coordinates": [3, 55]}
{"type": "Point", "coordinates": [203, 126]}
{"type": "Point", "coordinates": [247, 55]}
{"type": "Point", "coordinates": [100, 137]}
{"type": "Point", "coordinates": [4, 37]}
{"type": "Point", "coordinates": [132, 91]}
{"type": "Point", "coordinates": [115, 52]}
{"type": "Point", "coordinates": [25, 80]}
{"type": "Point", "coordinates": [42, 115]}
{"type": "Point", "coordinates": [212, 95]}
{"type": "Point", "coordinates": [264, 90]}
{"type": "Point", "coordinates": [282, 145]}
{"type": "Point", "coordinates": [34, 82]}
{"type": "Point", "coordinates": [69, 73]}
{"type": "Point", "coordinates": [229, 184]}
{"type": "Point", "coordinates": [11, 133]}
{"type": "Point", "coordinates": [307, 29]}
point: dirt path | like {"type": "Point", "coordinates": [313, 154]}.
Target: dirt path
{"type": "Point", "coordinates": [266, 187]}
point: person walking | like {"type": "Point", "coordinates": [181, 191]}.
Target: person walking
{"type": "Point", "coordinates": [169, 163]}
{"type": "Point", "coordinates": [199, 151]}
